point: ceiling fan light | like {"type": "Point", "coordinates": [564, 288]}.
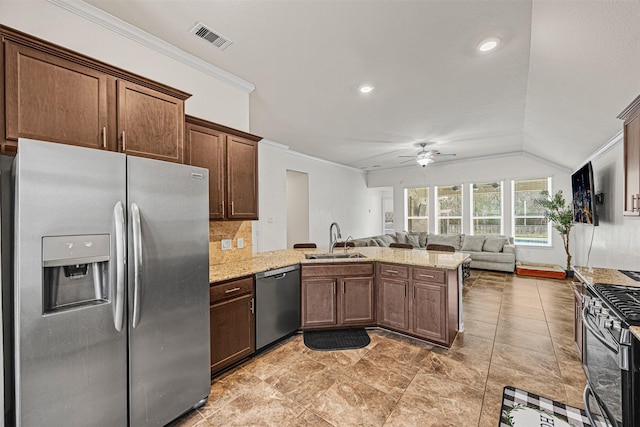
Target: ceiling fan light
{"type": "Point", "coordinates": [366, 88]}
{"type": "Point", "coordinates": [423, 160]}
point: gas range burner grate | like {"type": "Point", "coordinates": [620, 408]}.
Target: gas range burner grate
{"type": "Point", "coordinates": [624, 299]}
{"type": "Point", "coordinates": [635, 275]}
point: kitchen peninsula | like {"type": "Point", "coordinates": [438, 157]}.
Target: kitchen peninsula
{"type": "Point", "coordinates": [413, 292]}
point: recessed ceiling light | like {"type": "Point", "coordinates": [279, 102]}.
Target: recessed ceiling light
{"type": "Point", "coordinates": [488, 44]}
{"type": "Point", "coordinates": [365, 88]}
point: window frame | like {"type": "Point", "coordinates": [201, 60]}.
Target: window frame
{"type": "Point", "coordinates": [437, 217]}
{"type": "Point", "coordinates": [472, 208]}
{"type": "Point", "coordinates": [408, 217]}
{"type": "Point", "coordinates": [514, 217]}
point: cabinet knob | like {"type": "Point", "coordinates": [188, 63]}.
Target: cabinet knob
{"type": "Point", "coordinates": [124, 142]}
{"type": "Point", "coordinates": [104, 137]}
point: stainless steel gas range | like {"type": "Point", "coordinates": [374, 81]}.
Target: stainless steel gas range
{"type": "Point", "coordinates": [611, 358]}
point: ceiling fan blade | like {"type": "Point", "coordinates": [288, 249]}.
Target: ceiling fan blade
{"type": "Point", "coordinates": [413, 157]}
{"type": "Point", "coordinates": [406, 161]}
{"type": "Point", "coordinates": [444, 155]}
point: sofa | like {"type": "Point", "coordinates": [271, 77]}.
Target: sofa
{"type": "Point", "coordinates": [486, 252]}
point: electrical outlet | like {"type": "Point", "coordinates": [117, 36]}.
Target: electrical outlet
{"type": "Point", "coordinates": [226, 244]}
{"type": "Point", "coordinates": [240, 243]}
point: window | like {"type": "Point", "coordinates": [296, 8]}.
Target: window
{"type": "Point", "coordinates": [417, 203]}
{"type": "Point", "coordinates": [529, 225]}
{"type": "Point", "coordinates": [486, 202]}
{"type": "Point", "coordinates": [449, 209]}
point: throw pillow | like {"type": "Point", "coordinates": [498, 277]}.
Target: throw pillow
{"type": "Point", "coordinates": [422, 239]}
{"type": "Point", "coordinates": [372, 242]}
{"type": "Point", "coordinates": [401, 236]}
{"type": "Point", "coordinates": [387, 239]}
{"type": "Point", "coordinates": [412, 239]}
{"type": "Point", "coordinates": [445, 239]}
{"type": "Point", "coordinates": [380, 242]}
{"type": "Point", "coordinates": [494, 244]}
{"type": "Point", "coordinates": [473, 243]}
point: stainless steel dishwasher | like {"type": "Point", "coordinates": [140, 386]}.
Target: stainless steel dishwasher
{"type": "Point", "coordinates": [277, 304]}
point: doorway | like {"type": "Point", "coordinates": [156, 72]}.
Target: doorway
{"type": "Point", "coordinates": [297, 199]}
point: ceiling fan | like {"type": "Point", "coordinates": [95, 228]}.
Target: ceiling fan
{"type": "Point", "coordinates": [424, 157]}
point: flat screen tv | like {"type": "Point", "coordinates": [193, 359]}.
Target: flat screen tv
{"type": "Point", "coordinates": [584, 205]}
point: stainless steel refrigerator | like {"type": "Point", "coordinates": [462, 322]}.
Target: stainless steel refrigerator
{"type": "Point", "coordinates": [111, 308]}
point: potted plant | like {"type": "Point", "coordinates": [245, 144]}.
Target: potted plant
{"type": "Point", "coordinates": [558, 212]}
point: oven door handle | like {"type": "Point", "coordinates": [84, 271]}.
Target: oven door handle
{"type": "Point", "coordinates": [588, 323]}
{"type": "Point", "coordinates": [585, 397]}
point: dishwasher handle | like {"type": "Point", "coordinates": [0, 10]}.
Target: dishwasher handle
{"type": "Point", "coordinates": [278, 273]}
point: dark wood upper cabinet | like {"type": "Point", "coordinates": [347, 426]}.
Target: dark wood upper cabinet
{"type": "Point", "coordinates": [205, 148]}
{"type": "Point", "coordinates": [631, 174]}
{"type": "Point", "coordinates": [232, 159]}
{"type": "Point", "coordinates": [54, 94]}
{"type": "Point", "coordinates": [53, 99]}
{"type": "Point", "coordinates": [242, 173]}
{"type": "Point", "coordinates": [150, 123]}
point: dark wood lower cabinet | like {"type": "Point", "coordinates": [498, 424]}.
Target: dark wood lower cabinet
{"type": "Point", "coordinates": [430, 311]}
{"type": "Point", "coordinates": [393, 304]}
{"type": "Point", "coordinates": [232, 322]}
{"type": "Point", "coordinates": [338, 295]}
{"type": "Point", "coordinates": [578, 333]}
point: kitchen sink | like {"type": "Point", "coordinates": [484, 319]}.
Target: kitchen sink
{"type": "Point", "coordinates": [334, 256]}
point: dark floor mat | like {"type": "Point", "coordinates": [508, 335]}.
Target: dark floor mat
{"type": "Point", "coordinates": [342, 339]}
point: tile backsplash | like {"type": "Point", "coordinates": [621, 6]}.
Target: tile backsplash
{"type": "Point", "coordinates": [219, 230]}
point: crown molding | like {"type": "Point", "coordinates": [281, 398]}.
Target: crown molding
{"type": "Point", "coordinates": [309, 157]}
{"type": "Point", "coordinates": [131, 32]}
{"type": "Point", "coordinates": [615, 140]}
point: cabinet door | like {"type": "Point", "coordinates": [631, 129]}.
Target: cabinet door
{"type": "Point", "coordinates": [319, 302]}
{"type": "Point", "coordinates": [242, 178]}
{"type": "Point", "coordinates": [150, 123]}
{"type": "Point", "coordinates": [206, 148]}
{"type": "Point", "coordinates": [357, 302]}
{"type": "Point", "coordinates": [52, 99]}
{"type": "Point", "coordinates": [232, 331]}
{"type": "Point", "coordinates": [632, 165]}
{"type": "Point", "coordinates": [393, 307]}
{"type": "Point", "coordinates": [430, 311]}
{"type": "Point", "coordinates": [578, 332]}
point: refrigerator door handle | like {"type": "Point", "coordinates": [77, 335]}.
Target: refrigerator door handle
{"type": "Point", "coordinates": [118, 315]}
{"type": "Point", "coordinates": [137, 262]}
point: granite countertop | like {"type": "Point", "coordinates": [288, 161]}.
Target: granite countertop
{"type": "Point", "coordinates": [263, 261]}
{"type": "Point", "coordinates": [591, 276]}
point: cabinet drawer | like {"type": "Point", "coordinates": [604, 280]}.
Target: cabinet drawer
{"type": "Point", "coordinates": [395, 271]}
{"type": "Point", "coordinates": [334, 270]}
{"type": "Point", "coordinates": [429, 275]}
{"type": "Point", "coordinates": [232, 289]}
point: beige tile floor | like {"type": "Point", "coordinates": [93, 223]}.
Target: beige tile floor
{"type": "Point", "coordinates": [518, 332]}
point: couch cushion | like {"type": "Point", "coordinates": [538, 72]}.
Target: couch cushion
{"type": "Point", "coordinates": [454, 240]}
{"type": "Point", "coordinates": [372, 242]}
{"type": "Point", "coordinates": [492, 257]}
{"type": "Point", "coordinates": [494, 243]}
{"type": "Point", "coordinates": [473, 243]}
{"type": "Point", "coordinates": [388, 238]}
{"type": "Point", "coordinates": [401, 236]}
{"type": "Point", "coordinates": [413, 240]}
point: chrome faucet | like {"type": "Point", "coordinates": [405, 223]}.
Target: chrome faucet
{"type": "Point", "coordinates": [345, 243]}
{"type": "Point", "coordinates": [334, 237]}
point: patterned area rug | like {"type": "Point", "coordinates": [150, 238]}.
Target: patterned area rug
{"type": "Point", "coordinates": [523, 409]}
{"type": "Point", "coordinates": [341, 339]}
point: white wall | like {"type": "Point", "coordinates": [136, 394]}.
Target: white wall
{"type": "Point", "coordinates": [616, 241]}
{"type": "Point", "coordinates": [212, 99]}
{"type": "Point", "coordinates": [336, 194]}
{"type": "Point", "coordinates": [504, 169]}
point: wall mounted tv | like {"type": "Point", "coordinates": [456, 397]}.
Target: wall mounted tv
{"type": "Point", "coordinates": [584, 198]}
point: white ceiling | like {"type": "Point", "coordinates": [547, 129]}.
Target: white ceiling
{"type": "Point", "coordinates": [553, 88]}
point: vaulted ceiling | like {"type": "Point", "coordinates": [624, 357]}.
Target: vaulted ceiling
{"type": "Point", "coordinates": [552, 88]}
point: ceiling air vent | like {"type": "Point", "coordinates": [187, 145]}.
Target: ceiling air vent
{"type": "Point", "coordinates": [211, 36]}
